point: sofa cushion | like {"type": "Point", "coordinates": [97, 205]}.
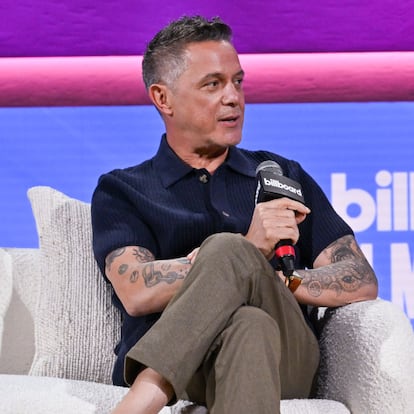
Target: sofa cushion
{"type": "Point", "coordinates": [6, 284]}
{"type": "Point", "coordinates": [76, 326]}
{"type": "Point", "coordinates": [368, 358]}
{"type": "Point", "coordinates": [18, 332]}
{"type": "Point", "coordinates": [41, 395]}
{"type": "Point", "coordinates": [44, 395]}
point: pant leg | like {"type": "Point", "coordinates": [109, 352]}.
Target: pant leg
{"type": "Point", "coordinates": [242, 374]}
{"type": "Point", "coordinates": [245, 370]}
{"type": "Point", "coordinates": [229, 272]}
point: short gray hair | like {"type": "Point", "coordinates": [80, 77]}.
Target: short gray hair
{"type": "Point", "coordinates": [164, 61]}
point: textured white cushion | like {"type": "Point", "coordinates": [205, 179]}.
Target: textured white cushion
{"type": "Point", "coordinates": [368, 363]}
{"type": "Point", "coordinates": [20, 394]}
{"type": "Point", "coordinates": [312, 407]}
{"type": "Point", "coordinates": [6, 287]}
{"type": "Point", "coordinates": [43, 395]}
{"type": "Point", "coordinates": [26, 275]}
{"type": "Point", "coordinates": [304, 406]}
{"type": "Point", "coordinates": [76, 326]}
{"type": "Point", "coordinates": [18, 334]}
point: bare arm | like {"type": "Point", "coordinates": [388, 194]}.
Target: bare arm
{"type": "Point", "coordinates": [341, 275]}
{"type": "Point", "coordinates": [144, 285]}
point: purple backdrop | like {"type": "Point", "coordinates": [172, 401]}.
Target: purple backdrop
{"type": "Point", "coordinates": [113, 27]}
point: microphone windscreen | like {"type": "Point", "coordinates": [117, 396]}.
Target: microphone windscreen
{"type": "Point", "coordinates": [271, 166]}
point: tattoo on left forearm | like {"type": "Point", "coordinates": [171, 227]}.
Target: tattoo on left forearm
{"type": "Point", "coordinates": [350, 272]}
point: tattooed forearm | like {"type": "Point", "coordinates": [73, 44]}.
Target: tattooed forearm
{"type": "Point", "coordinates": [344, 277]}
{"type": "Point", "coordinates": [184, 260]}
{"type": "Point", "coordinates": [348, 272]}
{"type": "Point", "coordinates": [153, 275]}
{"type": "Point", "coordinates": [143, 255]}
{"type": "Point", "coordinates": [156, 272]}
{"type": "Point", "coordinates": [134, 276]}
{"type": "Point", "coordinates": [112, 256]}
{"type": "Point", "coordinates": [139, 262]}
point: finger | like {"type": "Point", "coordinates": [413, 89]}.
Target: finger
{"type": "Point", "coordinates": [288, 204]}
{"type": "Point", "coordinates": [191, 256]}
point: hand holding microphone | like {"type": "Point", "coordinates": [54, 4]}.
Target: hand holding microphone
{"type": "Point", "coordinates": [271, 185]}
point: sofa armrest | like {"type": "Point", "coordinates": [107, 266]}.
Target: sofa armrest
{"type": "Point", "coordinates": [367, 358]}
{"type": "Point", "coordinates": [18, 337]}
{"type": "Point", "coordinates": [26, 275]}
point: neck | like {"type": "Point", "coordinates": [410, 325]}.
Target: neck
{"type": "Point", "coordinates": [210, 161]}
{"type": "Point", "coordinates": [209, 157]}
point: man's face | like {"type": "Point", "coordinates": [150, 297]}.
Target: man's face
{"type": "Point", "coordinates": [207, 98]}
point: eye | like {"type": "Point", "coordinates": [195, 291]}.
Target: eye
{"type": "Point", "coordinates": [212, 84]}
{"type": "Point", "coordinates": [238, 82]}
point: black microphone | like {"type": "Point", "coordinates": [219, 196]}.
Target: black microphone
{"type": "Point", "coordinates": [272, 184]}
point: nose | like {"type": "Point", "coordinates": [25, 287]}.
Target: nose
{"type": "Point", "coordinates": [232, 94]}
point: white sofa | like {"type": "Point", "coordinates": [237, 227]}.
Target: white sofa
{"type": "Point", "coordinates": [58, 330]}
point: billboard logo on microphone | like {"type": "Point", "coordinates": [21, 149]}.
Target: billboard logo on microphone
{"type": "Point", "coordinates": [271, 186]}
{"type": "Point", "coordinates": [276, 183]}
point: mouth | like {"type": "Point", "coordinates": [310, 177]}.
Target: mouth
{"type": "Point", "coordinates": [230, 119]}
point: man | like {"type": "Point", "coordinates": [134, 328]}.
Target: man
{"type": "Point", "coordinates": [191, 256]}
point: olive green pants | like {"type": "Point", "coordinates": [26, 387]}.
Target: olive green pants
{"type": "Point", "coordinates": [233, 338]}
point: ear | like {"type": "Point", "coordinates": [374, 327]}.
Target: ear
{"type": "Point", "coordinates": [160, 97]}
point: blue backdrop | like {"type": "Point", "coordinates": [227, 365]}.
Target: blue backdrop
{"type": "Point", "coordinates": [361, 154]}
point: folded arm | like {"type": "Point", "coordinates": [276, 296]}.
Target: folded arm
{"type": "Point", "coordinates": [144, 285]}
{"type": "Point", "coordinates": [341, 275]}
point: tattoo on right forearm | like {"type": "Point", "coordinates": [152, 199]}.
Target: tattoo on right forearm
{"type": "Point", "coordinates": [134, 276]}
{"type": "Point", "coordinates": [112, 256]}
{"type": "Point", "coordinates": [143, 255]}
{"type": "Point", "coordinates": [153, 276]}
{"type": "Point", "coordinates": [152, 272]}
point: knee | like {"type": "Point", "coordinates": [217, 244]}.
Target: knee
{"type": "Point", "coordinates": [255, 322]}
{"type": "Point", "coordinates": [228, 244]}
{"type": "Point", "coordinates": [232, 257]}
{"type": "Point", "coordinates": [224, 239]}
